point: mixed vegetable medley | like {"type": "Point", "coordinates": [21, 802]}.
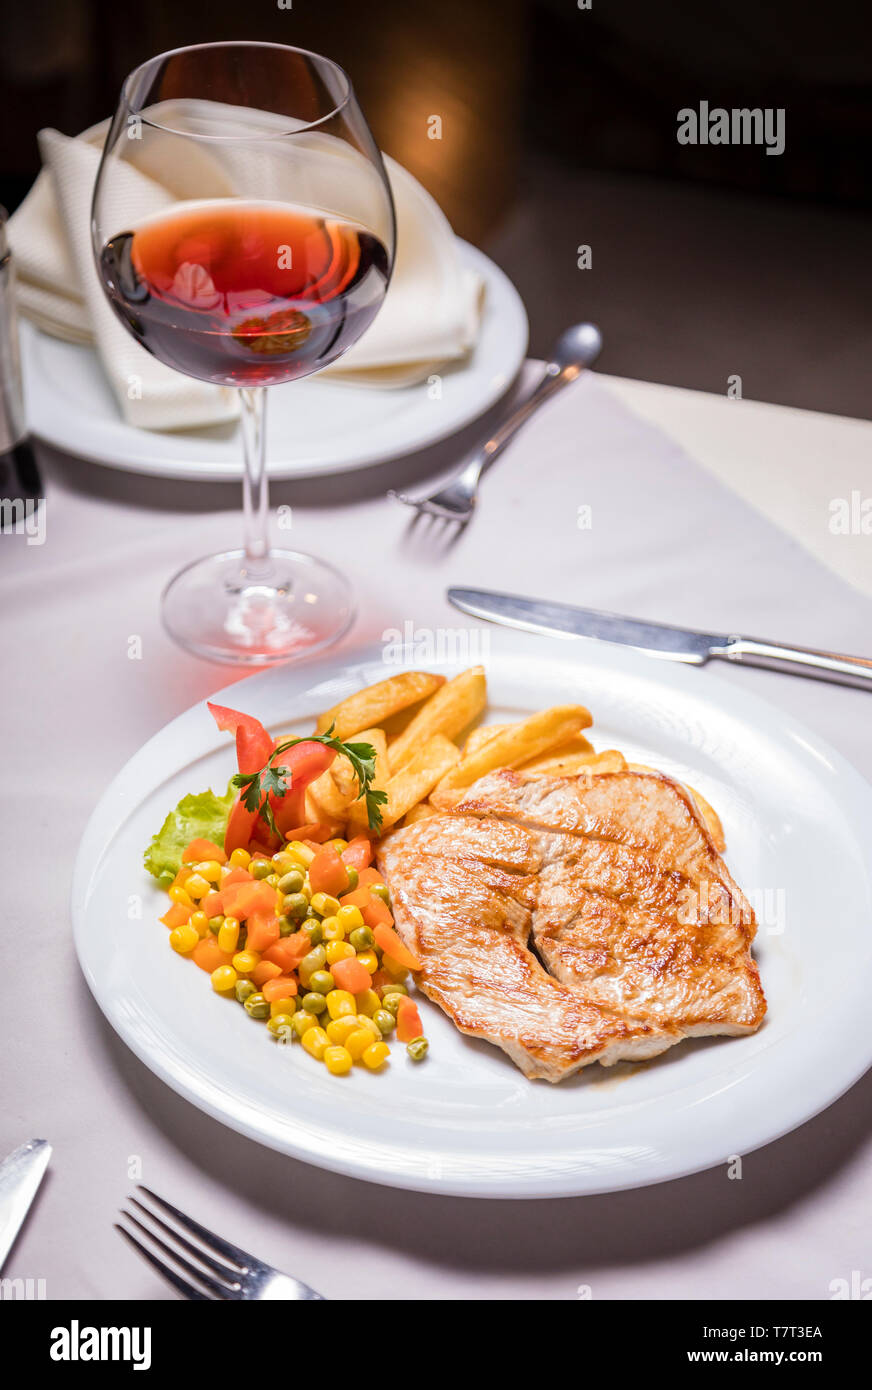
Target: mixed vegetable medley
{"type": "Point", "coordinates": [289, 919]}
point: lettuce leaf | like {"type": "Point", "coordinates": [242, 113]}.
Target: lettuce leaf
{"type": "Point", "coordinates": [201, 815]}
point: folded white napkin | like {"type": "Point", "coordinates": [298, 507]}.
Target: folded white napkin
{"type": "Point", "coordinates": [430, 316]}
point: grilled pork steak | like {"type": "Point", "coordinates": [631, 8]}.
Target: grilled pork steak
{"type": "Point", "coordinates": [575, 920]}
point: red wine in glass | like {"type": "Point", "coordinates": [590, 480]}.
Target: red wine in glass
{"type": "Point", "coordinates": [245, 293]}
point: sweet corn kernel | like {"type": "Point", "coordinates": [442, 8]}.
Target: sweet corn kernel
{"type": "Point", "coordinates": [177, 894]}
{"type": "Point", "coordinates": [370, 1026]}
{"type": "Point", "coordinates": [338, 950]}
{"type": "Point", "coordinates": [240, 859]}
{"type": "Point", "coordinates": [200, 922]}
{"type": "Point", "coordinates": [339, 844]}
{"type": "Point", "coordinates": [210, 869]}
{"type": "Point", "coordinates": [367, 1002]}
{"type": "Point", "coordinates": [340, 1003]}
{"type": "Point", "coordinates": [316, 1042]}
{"type": "Point", "coordinates": [303, 1021]}
{"type": "Point", "coordinates": [245, 961]}
{"type": "Point", "coordinates": [223, 979]}
{"type": "Point", "coordinates": [333, 929]}
{"type": "Point", "coordinates": [357, 1042]}
{"type": "Point", "coordinates": [339, 1030]}
{"type": "Point", "coordinates": [228, 934]}
{"type": "Point", "coordinates": [337, 1060]}
{"type": "Point", "coordinates": [350, 917]}
{"type": "Point", "coordinates": [183, 939]}
{"type": "Point", "coordinates": [369, 960]}
{"type": "Point", "coordinates": [197, 886]}
{"type": "Point", "coordinates": [283, 1006]}
{"type": "Point", "coordinates": [303, 854]}
{"type": "Point", "coordinates": [394, 969]}
{"type": "Point", "coordinates": [324, 905]}
{"type": "Point", "coordinates": [375, 1055]}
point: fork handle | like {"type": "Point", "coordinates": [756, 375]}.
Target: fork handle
{"type": "Point", "coordinates": [554, 378]}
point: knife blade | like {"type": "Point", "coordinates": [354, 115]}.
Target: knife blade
{"type": "Point", "coordinates": [659, 639]}
{"type": "Point", "coordinates": [20, 1176]}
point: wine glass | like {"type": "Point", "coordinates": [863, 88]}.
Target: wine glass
{"type": "Point", "coordinates": [244, 233]}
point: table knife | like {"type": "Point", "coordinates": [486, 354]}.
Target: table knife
{"type": "Point", "coordinates": [660, 640]}
{"type": "Point", "coordinates": [20, 1176]}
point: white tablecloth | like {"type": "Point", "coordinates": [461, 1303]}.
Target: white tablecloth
{"type": "Point", "coordinates": [668, 542]}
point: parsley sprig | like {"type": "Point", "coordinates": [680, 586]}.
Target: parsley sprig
{"type": "Point", "coordinates": [275, 779]}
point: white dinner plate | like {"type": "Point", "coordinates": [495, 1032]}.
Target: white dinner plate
{"type": "Point", "coordinates": [798, 822]}
{"type": "Point", "coordinates": [313, 425]}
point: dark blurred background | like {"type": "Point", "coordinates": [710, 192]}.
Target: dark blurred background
{"type": "Point", "coordinates": [559, 131]}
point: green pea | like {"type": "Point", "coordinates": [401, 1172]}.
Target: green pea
{"type": "Point", "coordinates": [381, 892]}
{"type": "Point", "coordinates": [353, 877]}
{"type": "Point", "coordinates": [166, 879]}
{"type": "Point", "coordinates": [215, 924]}
{"type": "Point", "coordinates": [384, 1022]}
{"type": "Point", "coordinates": [292, 882]}
{"type": "Point", "coordinates": [260, 868]}
{"type": "Point", "coordinates": [321, 981]}
{"type": "Point", "coordinates": [313, 1003]}
{"type": "Point", "coordinates": [315, 960]}
{"type": "Point", "coordinates": [391, 1002]}
{"type": "Point", "coordinates": [256, 1006]}
{"type": "Point", "coordinates": [296, 905]}
{"type": "Point", "coordinates": [315, 930]}
{"type": "Point", "coordinates": [303, 1021]}
{"type": "Point", "coordinates": [417, 1049]}
{"type": "Point", "coordinates": [286, 926]}
{"type": "Point", "coordinates": [244, 990]}
{"type": "Point", "coordinates": [282, 1027]}
{"type": "Point", "coordinates": [361, 938]}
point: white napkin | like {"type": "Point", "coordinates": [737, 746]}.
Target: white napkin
{"type": "Point", "coordinates": [430, 316]}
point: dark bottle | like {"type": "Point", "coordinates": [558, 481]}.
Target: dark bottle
{"type": "Point", "coordinates": [20, 485]}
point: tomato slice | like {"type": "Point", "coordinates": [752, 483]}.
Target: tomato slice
{"type": "Point", "coordinates": [253, 743]}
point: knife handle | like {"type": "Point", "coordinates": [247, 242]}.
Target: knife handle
{"type": "Point", "coordinates": [802, 661]}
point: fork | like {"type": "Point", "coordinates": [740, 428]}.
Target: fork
{"type": "Point", "coordinates": [576, 348]}
{"type": "Point", "coordinates": [235, 1275]}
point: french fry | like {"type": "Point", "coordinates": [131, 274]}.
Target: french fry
{"type": "Point", "coordinates": [374, 703]}
{"type": "Point", "coordinates": [707, 811]}
{"type": "Point", "coordinates": [556, 757]}
{"type": "Point", "coordinates": [343, 773]}
{"type": "Point", "coordinates": [328, 799]}
{"type": "Point", "coordinates": [406, 788]}
{"type": "Point", "coordinates": [518, 743]}
{"type": "Point", "coordinates": [479, 737]}
{"type": "Point", "coordinates": [447, 712]}
{"type": "Point", "coordinates": [610, 760]}
{"type": "Point", "coordinates": [423, 811]}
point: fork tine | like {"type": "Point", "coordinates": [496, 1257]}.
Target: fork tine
{"type": "Point", "coordinates": [164, 1270]}
{"type": "Point", "coordinates": [224, 1271]}
{"type": "Point", "coordinates": [215, 1286]}
{"type": "Point", "coordinates": [213, 1243]}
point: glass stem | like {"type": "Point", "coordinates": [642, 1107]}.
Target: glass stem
{"type": "Point", "coordinates": [255, 487]}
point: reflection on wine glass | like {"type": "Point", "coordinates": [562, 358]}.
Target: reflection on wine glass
{"type": "Point", "coordinates": [243, 229]}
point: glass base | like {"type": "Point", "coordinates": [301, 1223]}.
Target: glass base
{"type": "Point", "coordinates": [226, 608]}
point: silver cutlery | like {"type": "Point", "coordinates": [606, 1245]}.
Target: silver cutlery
{"type": "Point", "coordinates": [222, 1271]}
{"type": "Point", "coordinates": [20, 1176]}
{"type": "Point", "coordinates": [658, 639]}
{"type": "Point", "coordinates": [576, 348]}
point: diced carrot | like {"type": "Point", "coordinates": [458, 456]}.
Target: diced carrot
{"type": "Point", "coordinates": [368, 876]}
{"type": "Point", "coordinates": [409, 1023]}
{"type": "Point", "coordinates": [236, 876]}
{"type": "Point", "coordinates": [263, 930]}
{"type": "Point", "coordinates": [199, 851]}
{"type": "Point", "coordinates": [389, 942]}
{"type": "Point", "coordinates": [246, 899]}
{"type": "Point", "coordinates": [212, 904]}
{"type": "Point", "coordinates": [359, 897]}
{"type": "Point", "coordinates": [177, 915]}
{"type": "Point", "coordinates": [279, 987]}
{"type": "Point", "coordinates": [266, 970]}
{"type": "Point", "coordinates": [208, 954]}
{"type": "Point", "coordinates": [305, 832]}
{"type": "Point", "coordinates": [287, 952]}
{"type": "Point", "coordinates": [327, 872]}
{"type": "Point", "coordinates": [358, 852]}
{"type": "Point", "coordinates": [351, 975]}
{"type": "Point", "coordinates": [381, 977]}
{"type": "Point", "coordinates": [376, 913]}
